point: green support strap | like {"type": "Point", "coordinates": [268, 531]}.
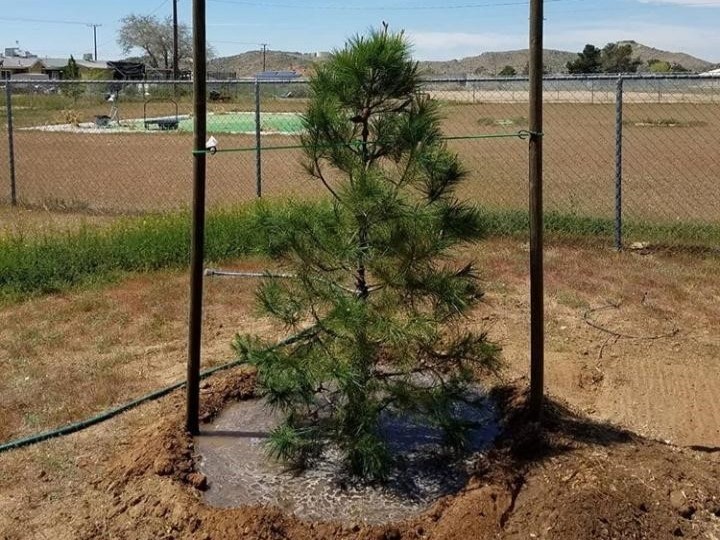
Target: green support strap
{"type": "Point", "coordinates": [522, 135]}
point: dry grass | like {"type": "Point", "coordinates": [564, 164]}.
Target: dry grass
{"type": "Point", "coordinates": [69, 356]}
{"type": "Point", "coordinates": [20, 221]}
{"type": "Point", "coordinates": [65, 357]}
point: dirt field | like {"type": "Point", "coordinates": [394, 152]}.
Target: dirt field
{"type": "Point", "coordinates": [120, 341]}
{"type": "Point", "coordinates": [560, 95]}
{"type": "Point", "coordinates": [633, 342]}
{"type": "Point", "coordinates": [670, 154]}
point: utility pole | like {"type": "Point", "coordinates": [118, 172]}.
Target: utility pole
{"type": "Point", "coordinates": [94, 27]}
{"type": "Point", "coordinates": [537, 316]}
{"type": "Point", "coordinates": [176, 66]}
{"type": "Point", "coordinates": [264, 54]}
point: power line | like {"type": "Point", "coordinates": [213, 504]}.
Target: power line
{"type": "Point", "coordinates": [162, 5]}
{"type": "Point", "coordinates": [238, 42]}
{"type": "Point", "coordinates": [45, 21]}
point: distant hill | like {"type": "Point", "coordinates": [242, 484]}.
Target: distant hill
{"type": "Point", "coordinates": [249, 63]}
{"type": "Point", "coordinates": [491, 63]}
{"type": "Point", "coordinates": [646, 53]}
{"type": "Point", "coordinates": [487, 63]}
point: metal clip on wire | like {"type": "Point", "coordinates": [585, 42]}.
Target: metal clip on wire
{"type": "Point", "coordinates": [525, 134]}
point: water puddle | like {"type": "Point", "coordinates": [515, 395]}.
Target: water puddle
{"type": "Point", "coordinates": [232, 456]}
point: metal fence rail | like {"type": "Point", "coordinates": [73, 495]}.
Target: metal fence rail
{"type": "Point", "coordinates": [630, 158]}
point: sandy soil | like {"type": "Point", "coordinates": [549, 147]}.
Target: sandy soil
{"type": "Point", "coordinates": [650, 366]}
{"type": "Point", "coordinates": [574, 479]}
{"type": "Point", "coordinates": [633, 342]}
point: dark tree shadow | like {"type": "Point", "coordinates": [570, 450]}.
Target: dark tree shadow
{"type": "Point", "coordinates": [559, 430]}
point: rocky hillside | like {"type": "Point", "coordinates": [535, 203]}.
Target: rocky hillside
{"type": "Point", "coordinates": [646, 53]}
{"type": "Point", "coordinates": [249, 63]}
{"type": "Point", "coordinates": [487, 63]}
{"type": "Point", "coordinates": [491, 63]}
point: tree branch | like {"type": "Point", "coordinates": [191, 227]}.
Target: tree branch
{"type": "Point", "coordinates": [319, 175]}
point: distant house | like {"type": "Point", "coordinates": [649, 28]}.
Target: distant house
{"type": "Point", "coordinates": [712, 73]}
{"type": "Point", "coordinates": [22, 64]}
{"type": "Point", "coordinates": [12, 66]}
{"type": "Point", "coordinates": [55, 68]}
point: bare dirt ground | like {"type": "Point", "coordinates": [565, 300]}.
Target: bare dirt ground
{"type": "Point", "coordinates": [134, 478]}
{"type": "Point", "coordinates": [559, 95]}
{"type": "Point", "coordinates": [669, 158]}
{"type": "Point", "coordinates": [633, 342]}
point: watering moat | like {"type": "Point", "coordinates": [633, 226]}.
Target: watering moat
{"type": "Point", "coordinates": [232, 456]}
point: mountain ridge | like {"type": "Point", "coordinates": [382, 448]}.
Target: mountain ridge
{"type": "Point", "coordinates": [486, 63]}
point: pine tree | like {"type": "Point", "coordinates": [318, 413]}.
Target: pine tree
{"type": "Point", "coordinates": [71, 73]}
{"type": "Point", "coordinates": [618, 58]}
{"type": "Point", "coordinates": [588, 61]}
{"type": "Point", "coordinates": [378, 292]}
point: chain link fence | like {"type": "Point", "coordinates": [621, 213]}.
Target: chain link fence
{"type": "Point", "coordinates": [631, 159]}
{"type": "Point", "coordinates": [628, 159]}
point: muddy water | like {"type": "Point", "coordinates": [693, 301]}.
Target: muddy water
{"type": "Point", "coordinates": [232, 456]}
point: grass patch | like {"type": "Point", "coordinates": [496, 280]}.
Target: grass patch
{"type": "Point", "coordinates": [55, 262]}
{"type": "Point", "coordinates": [686, 236]}
{"type": "Point", "coordinates": [571, 299]}
{"type": "Point", "coordinates": [32, 265]}
{"type": "Point", "coordinates": [504, 122]}
{"type": "Point", "coordinates": [664, 122]}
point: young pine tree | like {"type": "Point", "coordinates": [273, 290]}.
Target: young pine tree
{"type": "Point", "coordinates": [71, 73]}
{"type": "Point", "coordinates": [378, 295]}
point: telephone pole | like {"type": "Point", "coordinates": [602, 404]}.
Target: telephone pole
{"type": "Point", "coordinates": [176, 65]}
{"type": "Point", "coordinates": [94, 27]}
{"type": "Point", "coordinates": [264, 54]}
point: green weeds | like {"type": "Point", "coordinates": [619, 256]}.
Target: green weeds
{"type": "Point", "coordinates": [56, 262]}
{"type": "Point", "coordinates": [33, 265]}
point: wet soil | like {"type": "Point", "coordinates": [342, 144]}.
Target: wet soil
{"type": "Point", "coordinates": [232, 455]}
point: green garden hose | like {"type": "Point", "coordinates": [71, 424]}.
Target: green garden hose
{"type": "Point", "coordinates": [107, 415]}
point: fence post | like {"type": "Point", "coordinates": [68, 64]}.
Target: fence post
{"type": "Point", "coordinates": [258, 142]}
{"type": "Point", "coordinates": [535, 173]}
{"type": "Point", "coordinates": [11, 143]}
{"type": "Point", "coordinates": [197, 239]}
{"type": "Point", "coordinates": [618, 163]}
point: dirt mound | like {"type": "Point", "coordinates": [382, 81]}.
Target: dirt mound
{"type": "Point", "coordinates": [165, 448]}
{"type": "Point", "coordinates": [589, 480]}
{"type": "Point", "coordinates": [572, 479]}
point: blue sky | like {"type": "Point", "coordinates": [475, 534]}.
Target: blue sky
{"type": "Point", "coordinates": [440, 29]}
